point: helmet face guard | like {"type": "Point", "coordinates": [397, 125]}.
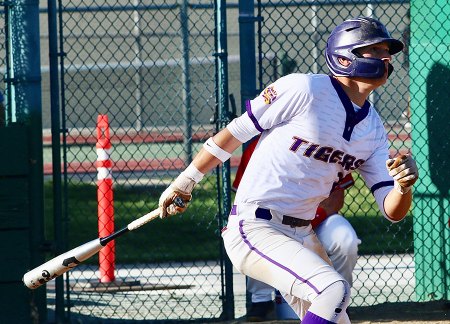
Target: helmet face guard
{"type": "Point", "coordinates": [353, 34]}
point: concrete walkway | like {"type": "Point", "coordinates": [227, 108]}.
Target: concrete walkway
{"type": "Point", "coordinates": [181, 291]}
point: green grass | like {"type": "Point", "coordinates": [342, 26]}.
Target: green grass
{"type": "Point", "coordinates": [378, 235]}
{"type": "Point", "coordinates": [194, 235]}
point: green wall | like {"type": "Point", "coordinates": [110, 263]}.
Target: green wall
{"type": "Point", "coordinates": [430, 113]}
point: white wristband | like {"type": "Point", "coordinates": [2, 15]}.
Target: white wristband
{"type": "Point", "coordinates": [216, 150]}
{"type": "Point", "coordinates": [193, 173]}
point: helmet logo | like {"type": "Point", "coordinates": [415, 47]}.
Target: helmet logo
{"type": "Point", "coordinates": [377, 25]}
{"type": "Point", "coordinates": [380, 26]}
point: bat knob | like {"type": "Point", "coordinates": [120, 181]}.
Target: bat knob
{"type": "Point", "coordinates": [179, 202]}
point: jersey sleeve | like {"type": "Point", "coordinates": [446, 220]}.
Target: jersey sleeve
{"type": "Point", "coordinates": [374, 171]}
{"type": "Point", "coordinates": [276, 104]}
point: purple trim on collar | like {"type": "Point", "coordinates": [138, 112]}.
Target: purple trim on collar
{"type": "Point", "coordinates": [233, 210]}
{"type": "Point", "coordinates": [352, 117]}
{"type": "Point", "coordinates": [248, 107]}
{"type": "Point", "coordinates": [244, 237]}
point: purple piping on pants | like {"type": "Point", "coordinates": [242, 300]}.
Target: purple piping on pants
{"type": "Point", "coordinates": [248, 107]}
{"type": "Point", "coordinates": [244, 237]}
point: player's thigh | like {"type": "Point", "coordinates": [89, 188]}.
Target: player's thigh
{"type": "Point", "coordinates": [264, 252]}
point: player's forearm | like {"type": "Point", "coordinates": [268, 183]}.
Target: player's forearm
{"type": "Point", "coordinates": [396, 205]}
{"type": "Point", "coordinates": [333, 203]}
{"type": "Point", "coordinates": [214, 151]}
{"type": "Point", "coordinates": [205, 161]}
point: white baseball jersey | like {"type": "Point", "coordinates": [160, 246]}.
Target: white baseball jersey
{"type": "Point", "coordinates": [311, 136]}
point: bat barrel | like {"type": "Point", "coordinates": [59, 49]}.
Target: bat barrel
{"type": "Point", "coordinates": [69, 260]}
{"type": "Point", "coordinates": [60, 264]}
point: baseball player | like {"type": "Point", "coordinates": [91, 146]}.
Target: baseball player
{"type": "Point", "coordinates": [336, 234]}
{"type": "Point", "coordinates": [315, 129]}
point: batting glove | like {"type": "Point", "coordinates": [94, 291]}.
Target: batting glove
{"type": "Point", "coordinates": [182, 187]}
{"type": "Point", "coordinates": [404, 171]}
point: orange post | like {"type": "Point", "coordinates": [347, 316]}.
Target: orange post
{"type": "Point", "coordinates": [105, 199]}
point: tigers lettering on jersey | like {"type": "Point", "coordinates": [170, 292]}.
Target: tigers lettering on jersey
{"type": "Point", "coordinates": [269, 94]}
{"type": "Point", "coordinates": [326, 154]}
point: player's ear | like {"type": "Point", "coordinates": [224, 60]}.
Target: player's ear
{"type": "Point", "coordinates": [343, 61]}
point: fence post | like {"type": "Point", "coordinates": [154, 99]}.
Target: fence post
{"type": "Point", "coordinates": [105, 199]}
{"type": "Point", "coordinates": [224, 118]}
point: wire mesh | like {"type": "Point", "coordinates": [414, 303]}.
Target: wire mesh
{"type": "Point", "coordinates": [149, 67]}
{"type": "Point", "coordinates": [292, 37]}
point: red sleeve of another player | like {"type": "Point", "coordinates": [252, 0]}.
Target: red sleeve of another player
{"type": "Point", "coordinates": [345, 183]}
{"type": "Point", "coordinates": [321, 214]}
{"type": "Point", "coordinates": [246, 155]}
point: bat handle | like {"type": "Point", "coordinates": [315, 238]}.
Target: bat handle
{"type": "Point", "coordinates": [143, 220]}
{"type": "Point", "coordinates": [179, 202]}
{"type": "Point", "coordinates": [152, 215]}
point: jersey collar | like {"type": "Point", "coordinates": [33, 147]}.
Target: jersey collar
{"type": "Point", "coordinates": [353, 117]}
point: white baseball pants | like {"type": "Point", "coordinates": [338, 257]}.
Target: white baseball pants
{"type": "Point", "coordinates": [290, 259]}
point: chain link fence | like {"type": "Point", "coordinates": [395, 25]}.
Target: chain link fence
{"type": "Point", "coordinates": [150, 67]}
{"type": "Point", "coordinates": [293, 39]}
{"type": "Point", "coordinates": [429, 98]}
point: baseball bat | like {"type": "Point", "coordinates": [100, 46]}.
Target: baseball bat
{"type": "Point", "coordinates": [69, 260]}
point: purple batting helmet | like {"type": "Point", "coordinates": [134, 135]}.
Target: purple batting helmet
{"type": "Point", "coordinates": [353, 34]}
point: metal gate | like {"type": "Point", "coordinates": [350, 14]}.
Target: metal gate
{"type": "Point", "coordinates": [156, 71]}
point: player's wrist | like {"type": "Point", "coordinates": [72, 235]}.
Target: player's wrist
{"type": "Point", "coordinates": [187, 179]}
{"type": "Point", "coordinates": [399, 188]}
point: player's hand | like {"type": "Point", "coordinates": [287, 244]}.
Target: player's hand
{"type": "Point", "coordinates": [404, 171]}
{"type": "Point", "coordinates": [182, 188]}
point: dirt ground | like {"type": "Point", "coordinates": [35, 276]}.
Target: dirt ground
{"type": "Point", "coordinates": [394, 313]}
{"type": "Point", "coordinates": [430, 312]}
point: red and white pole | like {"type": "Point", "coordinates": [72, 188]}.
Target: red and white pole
{"type": "Point", "coordinates": [105, 199]}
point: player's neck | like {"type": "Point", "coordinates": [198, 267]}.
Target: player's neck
{"type": "Point", "coordinates": [358, 91]}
